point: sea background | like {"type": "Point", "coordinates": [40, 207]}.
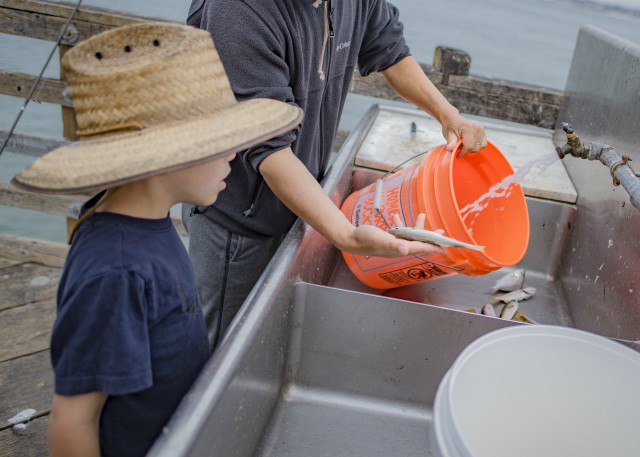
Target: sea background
{"type": "Point", "coordinates": [529, 41]}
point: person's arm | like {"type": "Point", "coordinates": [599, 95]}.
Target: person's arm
{"type": "Point", "coordinates": [410, 82]}
{"type": "Point", "coordinates": [290, 180]}
{"type": "Point", "coordinates": [73, 425]}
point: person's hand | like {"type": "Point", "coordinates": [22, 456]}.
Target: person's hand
{"type": "Point", "coordinates": [372, 241]}
{"type": "Point", "coordinates": [471, 133]}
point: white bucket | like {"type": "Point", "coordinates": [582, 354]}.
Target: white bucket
{"type": "Point", "coordinates": [534, 390]}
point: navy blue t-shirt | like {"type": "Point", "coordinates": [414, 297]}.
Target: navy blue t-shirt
{"type": "Point", "coordinates": [129, 324]}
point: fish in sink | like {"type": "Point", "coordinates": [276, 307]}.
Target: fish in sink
{"type": "Point", "coordinates": [489, 310]}
{"type": "Point", "coordinates": [521, 316]}
{"type": "Point", "coordinates": [516, 295]}
{"type": "Point", "coordinates": [509, 310]}
{"type": "Point", "coordinates": [510, 282]}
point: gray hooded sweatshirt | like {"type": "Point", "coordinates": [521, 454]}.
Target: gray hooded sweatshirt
{"type": "Point", "coordinates": [301, 52]}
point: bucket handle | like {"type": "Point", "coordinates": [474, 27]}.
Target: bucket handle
{"type": "Point", "coordinates": [376, 202]}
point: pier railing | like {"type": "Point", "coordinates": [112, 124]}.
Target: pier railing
{"type": "Point", "coordinates": [44, 20]}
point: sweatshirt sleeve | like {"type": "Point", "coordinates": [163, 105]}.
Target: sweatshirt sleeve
{"type": "Point", "coordinates": [383, 44]}
{"type": "Point", "coordinates": [252, 55]}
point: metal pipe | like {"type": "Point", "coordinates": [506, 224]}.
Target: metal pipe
{"type": "Point", "coordinates": [622, 173]}
{"type": "Point", "coordinates": [620, 170]}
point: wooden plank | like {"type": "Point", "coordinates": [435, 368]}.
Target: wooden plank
{"type": "Point", "coordinates": [44, 20]}
{"type": "Point", "coordinates": [522, 103]}
{"type": "Point", "coordinates": [69, 124]}
{"type": "Point", "coordinates": [30, 443]}
{"type": "Point", "coordinates": [26, 329]}
{"type": "Point", "coordinates": [92, 14]}
{"type": "Point", "coordinates": [30, 250]}
{"type": "Point", "coordinates": [27, 283]}
{"type": "Point", "coordinates": [31, 145]}
{"type": "Point", "coordinates": [63, 205]}
{"type": "Point", "coordinates": [25, 383]}
{"type": "Point", "coordinates": [6, 263]}
{"type": "Point", "coordinates": [19, 84]}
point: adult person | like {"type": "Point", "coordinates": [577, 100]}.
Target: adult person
{"type": "Point", "coordinates": [160, 125]}
{"type": "Point", "coordinates": [302, 52]}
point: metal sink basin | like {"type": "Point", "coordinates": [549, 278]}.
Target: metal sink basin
{"type": "Point", "coordinates": [361, 373]}
{"type": "Point", "coordinates": [328, 372]}
{"type": "Point", "coordinates": [317, 364]}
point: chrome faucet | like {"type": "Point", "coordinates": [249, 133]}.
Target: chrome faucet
{"type": "Point", "coordinates": [620, 170]}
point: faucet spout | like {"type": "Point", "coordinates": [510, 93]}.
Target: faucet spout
{"type": "Point", "coordinates": [621, 171]}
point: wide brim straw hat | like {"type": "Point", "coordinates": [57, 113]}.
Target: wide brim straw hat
{"type": "Point", "coordinates": [150, 98]}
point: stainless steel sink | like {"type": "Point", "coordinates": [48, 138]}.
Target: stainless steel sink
{"type": "Point", "coordinates": [317, 364]}
{"type": "Point", "coordinates": [550, 224]}
{"type": "Point", "coordinates": [361, 373]}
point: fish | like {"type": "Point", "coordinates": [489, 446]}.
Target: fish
{"type": "Point", "coordinates": [22, 416]}
{"type": "Point", "coordinates": [510, 282]}
{"type": "Point", "coordinates": [516, 295]}
{"type": "Point", "coordinates": [521, 316]}
{"type": "Point", "coordinates": [509, 310]}
{"type": "Point", "coordinates": [489, 310]}
{"type": "Point", "coordinates": [20, 427]}
{"type": "Point", "coordinates": [427, 236]}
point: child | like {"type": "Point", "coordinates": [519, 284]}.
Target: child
{"type": "Point", "coordinates": [159, 124]}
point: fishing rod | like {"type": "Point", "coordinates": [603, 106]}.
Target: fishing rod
{"type": "Point", "coordinates": [39, 78]}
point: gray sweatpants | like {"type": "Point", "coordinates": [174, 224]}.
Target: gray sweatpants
{"type": "Point", "coordinates": [227, 265]}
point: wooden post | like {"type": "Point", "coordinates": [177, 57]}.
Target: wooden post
{"type": "Point", "coordinates": [450, 61]}
{"type": "Point", "coordinates": [69, 125]}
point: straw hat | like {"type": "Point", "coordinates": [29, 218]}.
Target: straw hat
{"type": "Point", "coordinates": [150, 98]}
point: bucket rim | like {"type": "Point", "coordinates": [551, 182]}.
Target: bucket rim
{"type": "Point", "coordinates": [500, 336]}
{"type": "Point", "coordinates": [518, 189]}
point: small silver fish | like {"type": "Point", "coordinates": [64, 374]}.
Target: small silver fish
{"type": "Point", "coordinates": [516, 295]}
{"type": "Point", "coordinates": [489, 310]}
{"type": "Point", "coordinates": [20, 427]}
{"type": "Point", "coordinates": [427, 236]}
{"type": "Point", "coordinates": [522, 317]}
{"type": "Point", "coordinates": [510, 282]}
{"type": "Point", "coordinates": [22, 416]}
{"type": "Point", "coordinates": [509, 310]}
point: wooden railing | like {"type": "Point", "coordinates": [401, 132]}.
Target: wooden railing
{"type": "Point", "coordinates": [44, 20]}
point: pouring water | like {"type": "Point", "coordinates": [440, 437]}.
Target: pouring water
{"type": "Point", "coordinates": [525, 174]}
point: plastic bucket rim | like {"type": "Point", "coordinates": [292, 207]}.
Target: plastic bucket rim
{"type": "Point", "coordinates": [499, 336]}
{"type": "Point", "coordinates": [456, 152]}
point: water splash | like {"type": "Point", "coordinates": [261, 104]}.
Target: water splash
{"type": "Point", "coordinates": [527, 173]}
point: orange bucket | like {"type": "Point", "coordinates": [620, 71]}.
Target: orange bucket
{"type": "Point", "coordinates": [448, 190]}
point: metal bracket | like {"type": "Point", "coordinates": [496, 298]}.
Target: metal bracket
{"type": "Point", "coordinates": [74, 209]}
{"type": "Point", "coordinates": [66, 95]}
{"type": "Point", "coordinates": [623, 161]}
{"type": "Point", "coordinates": [70, 35]}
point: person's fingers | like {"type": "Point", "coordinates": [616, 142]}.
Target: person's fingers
{"type": "Point", "coordinates": [452, 140]}
{"type": "Point", "coordinates": [397, 221]}
{"type": "Point", "coordinates": [420, 221]}
{"type": "Point", "coordinates": [402, 247]}
{"type": "Point", "coordinates": [472, 135]}
{"type": "Point", "coordinates": [418, 247]}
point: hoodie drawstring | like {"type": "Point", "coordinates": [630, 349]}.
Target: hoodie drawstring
{"type": "Point", "coordinates": [325, 36]}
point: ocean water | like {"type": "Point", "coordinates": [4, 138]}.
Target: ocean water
{"type": "Point", "coordinates": [526, 41]}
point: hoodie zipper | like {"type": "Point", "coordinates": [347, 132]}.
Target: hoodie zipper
{"type": "Point", "coordinates": [254, 198]}
{"type": "Point", "coordinates": [324, 89]}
